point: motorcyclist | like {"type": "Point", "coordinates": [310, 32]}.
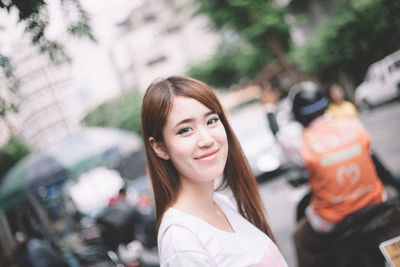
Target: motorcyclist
{"type": "Point", "coordinates": [336, 153]}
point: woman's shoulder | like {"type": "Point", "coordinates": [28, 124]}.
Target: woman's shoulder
{"type": "Point", "coordinates": [174, 221]}
{"type": "Point", "coordinates": [177, 235]}
{"type": "Point", "coordinates": [178, 239]}
{"type": "Point", "coordinates": [176, 216]}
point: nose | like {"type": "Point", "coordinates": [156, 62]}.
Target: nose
{"type": "Point", "coordinates": [205, 139]}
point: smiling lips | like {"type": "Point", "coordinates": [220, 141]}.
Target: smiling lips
{"type": "Point", "coordinates": [208, 156]}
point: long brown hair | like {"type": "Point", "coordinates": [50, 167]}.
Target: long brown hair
{"type": "Point", "coordinates": [157, 103]}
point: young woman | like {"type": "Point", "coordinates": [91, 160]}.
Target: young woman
{"type": "Point", "coordinates": [339, 107]}
{"type": "Point", "coordinates": [189, 144]}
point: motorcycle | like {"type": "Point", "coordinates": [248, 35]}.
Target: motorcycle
{"type": "Point", "coordinates": [366, 237]}
{"type": "Point", "coordinates": [124, 224]}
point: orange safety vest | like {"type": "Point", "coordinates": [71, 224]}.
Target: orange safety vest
{"type": "Point", "coordinates": [343, 178]}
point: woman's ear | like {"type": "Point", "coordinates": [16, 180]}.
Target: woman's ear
{"type": "Point", "coordinates": [158, 148]}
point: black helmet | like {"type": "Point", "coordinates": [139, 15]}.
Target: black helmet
{"type": "Point", "coordinates": [308, 102]}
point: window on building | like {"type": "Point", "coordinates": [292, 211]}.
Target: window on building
{"type": "Point", "coordinates": [174, 29]}
{"type": "Point", "coordinates": [156, 60]}
{"type": "Point", "coordinates": [149, 18]}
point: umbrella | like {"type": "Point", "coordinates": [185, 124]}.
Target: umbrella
{"type": "Point", "coordinates": [73, 155]}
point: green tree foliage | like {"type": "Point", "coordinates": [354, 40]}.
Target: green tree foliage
{"type": "Point", "coordinates": [11, 153]}
{"type": "Point", "coordinates": [12, 83]}
{"type": "Point", "coordinates": [358, 34]}
{"type": "Point", "coordinates": [232, 64]}
{"type": "Point", "coordinates": [260, 25]}
{"type": "Point", "coordinates": [122, 112]}
{"type": "Point", "coordinates": [34, 15]}
{"type": "Point", "coordinates": [253, 20]}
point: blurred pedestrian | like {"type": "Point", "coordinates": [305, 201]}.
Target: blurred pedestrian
{"type": "Point", "coordinates": [189, 144]}
{"type": "Point", "coordinates": [342, 176]}
{"type": "Point", "coordinates": [341, 108]}
{"type": "Point", "coordinates": [338, 106]}
{"type": "Point", "coordinates": [120, 197]}
{"type": "Point", "coordinates": [34, 251]}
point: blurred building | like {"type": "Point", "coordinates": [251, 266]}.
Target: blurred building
{"type": "Point", "coordinates": [7, 120]}
{"type": "Point", "coordinates": [154, 38]}
{"type": "Point", "coordinates": [44, 113]}
{"type": "Point", "coordinates": [158, 39]}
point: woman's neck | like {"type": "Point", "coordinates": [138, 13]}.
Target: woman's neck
{"type": "Point", "coordinates": [195, 198]}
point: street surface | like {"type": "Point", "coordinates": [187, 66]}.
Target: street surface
{"type": "Point", "coordinates": [280, 198]}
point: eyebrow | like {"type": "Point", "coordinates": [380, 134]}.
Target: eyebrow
{"type": "Point", "coordinates": [191, 119]}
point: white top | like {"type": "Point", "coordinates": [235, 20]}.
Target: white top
{"type": "Point", "coordinates": [186, 240]}
{"type": "Point", "coordinates": [290, 138]}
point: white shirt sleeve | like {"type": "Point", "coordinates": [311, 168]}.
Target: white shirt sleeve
{"type": "Point", "coordinates": [290, 138]}
{"type": "Point", "coordinates": [180, 248]}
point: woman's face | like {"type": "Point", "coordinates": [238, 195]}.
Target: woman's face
{"type": "Point", "coordinates": [195, 140]}
{"type": "Point", "coordinates": [337, 94]}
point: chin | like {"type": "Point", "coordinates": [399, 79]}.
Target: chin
{"type": "Point", "coordinates": [212, 175]}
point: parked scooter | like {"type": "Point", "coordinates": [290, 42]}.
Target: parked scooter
{"type": "Point", "coordinates": [92, 252]}
{"type": "Point", "coordinates": [121, 224]}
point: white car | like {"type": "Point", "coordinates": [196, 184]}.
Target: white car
{"type": "Point", "coordinates": [265, 157]}
{"type": "Point", "coordinates": [381, 83]}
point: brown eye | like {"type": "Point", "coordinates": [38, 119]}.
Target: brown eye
{"type": "Point", "coordinates": [184, 130]}
{"type": "Point", "coordinates": [212, 121]}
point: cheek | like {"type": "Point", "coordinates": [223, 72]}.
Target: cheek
{"type": "Point", "coordinates": [181, 157]}
{"type": "Point", "coordinates": [222, 139]}
{"type": "Point", "coordinates": [221, 135]}
{"type": "Point", "coordinates": [179, 147]}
